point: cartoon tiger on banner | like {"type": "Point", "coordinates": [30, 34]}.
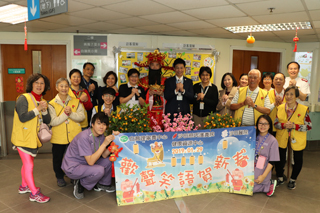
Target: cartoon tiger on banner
{"type": "Point", "coordinates": [157, 159]}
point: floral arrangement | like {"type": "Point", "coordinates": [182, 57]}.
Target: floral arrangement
{"type": "Point", "coordinates": [133, 119]}
{"type": "Point", "coordinates": [180, 123]}
{"type": "Point", "coordinates": [215, 121]}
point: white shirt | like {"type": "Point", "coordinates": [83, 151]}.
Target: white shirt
{"type": "Point", "coordinates": [94, 111]}
{"type": "Point", "coordinates": [179, 80]}
{"type": "Point", "coordinates": [248, 113]}
{"type": "Point", "coordinates": [133, 100]}
{"type": "Point", "coordinates": [303, 86]}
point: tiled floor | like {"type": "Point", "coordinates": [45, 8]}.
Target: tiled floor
{"type": "Point", "coordinates": [305, 198]}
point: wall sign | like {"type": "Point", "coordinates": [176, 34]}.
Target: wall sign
{"type": "Point", "coordinates": [90, 45]}
{"type": "Point", "coordinates": [16, 71]}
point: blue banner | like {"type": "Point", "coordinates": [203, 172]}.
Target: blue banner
{"type": "Point", "coordinates": [157, 166]}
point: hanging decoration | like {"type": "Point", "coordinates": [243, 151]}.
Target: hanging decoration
{"type": "Point", "coordinates": [251, 39]}
{"type": "Point", "coordinates": [25, 36]}
{"type": "Point", "coordinates": [19, 84]}
{"type": "Point", "coordinates": [295, 40]}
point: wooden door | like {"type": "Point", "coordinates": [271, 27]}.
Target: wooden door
{"type": "Point", "coordinates": [244, 61]}
{"type": "Point", "coordinates": [53, 65]}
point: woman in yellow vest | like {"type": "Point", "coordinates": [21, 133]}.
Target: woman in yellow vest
{"type": "Point", "coordinates": [66, 114]}
{"type": "Point", "coordinates": [292, 123]}
{"type": "Point", "coordinates": [30, 110]}
{"type": "Point", "coordinates": [76, 91]}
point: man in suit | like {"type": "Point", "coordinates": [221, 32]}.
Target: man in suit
{"type": "Point", "coordinates": [178, 90]}
{"type": "Point", "coordinates": [89, 84]}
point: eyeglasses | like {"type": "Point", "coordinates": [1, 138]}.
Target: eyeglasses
{"type": "Point", "coordinates": [263, 124]}
{"type": "Point", "coordinates": [108, 96]}
{"type": "Point", "coordinates": [267, 79]}
{"type": "Point", "coordinates": [253, 77]}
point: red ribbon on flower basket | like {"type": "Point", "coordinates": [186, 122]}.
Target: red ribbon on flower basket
{"type": "Point", "coordinates": [295, 40]}
{"type": "Point", "coordinates": [25, 36]}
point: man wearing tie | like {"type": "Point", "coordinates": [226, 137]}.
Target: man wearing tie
{"type": "Point", "coordinates": [178, 90]}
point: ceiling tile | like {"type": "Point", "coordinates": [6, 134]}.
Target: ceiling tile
{"type": "Point", "coordinates": [99, 14]}
{"type": "Point", "coordinates": [22, 3]}
{"type": "Point", "coordinates": [225, 35]}
{"type": "Point", "coordinates": [215, 12]}
{"type": "Point", "coordinates": [75, 29]}
{"type": "Point", "coordinates": [100, 2]}
{"type": "Point", "coordinates": [312, 4]}
{"type": "Point", "coordinates": [102, 26]}
{"type": "Point", "coordinates": [44, 25]}
{"type": "Point", "coordinates": [213, 30]}
{"type": "Point", "coordinates": [158, 28]}
{"type": "Point", "coordinates": [74, 6]}
{"type": "Point", "coordinates": [139, 7]}
{"type": "Point", "coordinates": [229, 22]}
{"type": "Point", "coordinates": [133, 22]}
{"type": "Point", "coordinates": [128, 31]}
{"type": "Point", "coordinates": [243, 1]}
{"type": "Point", "coordinates": [315, 15]}
{"type": "Point", "coordinates": [192, 25]}
{"type": "Point", "coordinates": [282, 18]}
{"type": "Point", "coordinates": [261, 8]}
{"type": "Point", "coordinates": [67, 19]}
{"type": "Point", "coordinates": [191, 4]}
{"type": "Point", "coordinates": [171, 17]}
{"type": "Point", "coordinates": [180, 33]}
{"type": "Point", "coordinates": [316, 24]}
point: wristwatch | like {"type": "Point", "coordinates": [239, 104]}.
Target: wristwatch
{"type": "Point", "coordinates": [255, 106]}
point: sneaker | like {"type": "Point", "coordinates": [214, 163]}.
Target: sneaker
{"type": "Point", "coordinates": [280, 182]}
{"type": "Point", "coordinates": [23, 190]}
{"type": "Point", "coordinates": [38, 197]}
{"type": "Point", "coordinates": [78, 190]}
{"type": "Point", "coordinates": [100, 187]}
{"type": "Point", "coordinates": [291, 184]}
{"type": "Point", "coordinates": [272, 188]}
{"type": "Point", "coordinates": [61, 182]}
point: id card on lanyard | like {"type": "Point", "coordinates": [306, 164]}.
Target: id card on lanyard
{"type": "Point", "coordinates": [204, 93]}
{"type": "Point", "coordinates": [179, 95]}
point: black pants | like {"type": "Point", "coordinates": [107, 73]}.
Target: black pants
{"type": "Point", "coordinates": [298, 160]}
{"type": "Point", "coordinates": [58, 151]}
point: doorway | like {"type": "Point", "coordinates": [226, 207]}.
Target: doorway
{"type": "Point", "coordinates": [243, 61]}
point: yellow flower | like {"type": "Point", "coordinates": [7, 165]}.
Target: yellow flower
{"type": "Point", "coordinates": [227, 126]}
{"type": "Point", "coordinates": [199, 185]}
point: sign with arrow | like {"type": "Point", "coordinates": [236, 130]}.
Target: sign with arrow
{"type": "Point", "coordinates": [90, 45]}
{"type": "Point", "coordinates": [44, 8]}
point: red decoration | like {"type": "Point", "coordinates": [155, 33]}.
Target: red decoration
{"type": "Point", "coordinates": [295, 40]}
{"type": "Point", "coordinates": [19, 84]}
{"type": "Point", "coordinates": [112, 157]}
{"type": "Point", "coordinates": [155, 56]}
{"type": "Point", "coordinates": [299, 115]}
{"type": "Point", "coordinates": [261, 98]}
{"type": "Point", "coordinates": [114, 149]}
{"type": "Point", "coordinates": [25, 36]}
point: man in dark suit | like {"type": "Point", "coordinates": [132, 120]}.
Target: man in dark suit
{"type": "Point", "coordinates": [178, 90]}
{"type": "Point", "coordinates": [89, 84]}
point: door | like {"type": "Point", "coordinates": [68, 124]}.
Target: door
{"type": "Point", "coordinates": [49, 60]}
{"type": "Point", "coordinates": [244, 61]}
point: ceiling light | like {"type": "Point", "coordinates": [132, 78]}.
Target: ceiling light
{"type": "Point", "coordinates": [269, 27]}
{"type": "Point", "coordinates": [13, 14]}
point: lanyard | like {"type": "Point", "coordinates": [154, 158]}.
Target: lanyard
{"type": "Point", "coordinates": [257, 152]}
{"type": "Point", "coordinates": [94, 142]}
{"type": "Point", "coordinates": [206, 90]}
{"type": "Point", "coordinates": [293, 110]}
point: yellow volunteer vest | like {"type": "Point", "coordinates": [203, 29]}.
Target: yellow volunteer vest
{"type": "Point", "coordinates": [262, 94]}
{"type": "Point", "coordinates": [297, 118]}
{"type": "Point", "coordinates": [118, 109]}
{"type": "Point", "coordinates": [84, 123]}
{"type": "Point", "coordinates": [65, 132]}
{"type": "Point", "coordinates": [26, 134]}
{"type": "Point", "coordinates": [273, 113]}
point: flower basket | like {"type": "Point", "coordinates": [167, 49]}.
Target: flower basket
{"type": "Point", "coordinates": [133, 119]}
{"type": "Point", "coordinates": [179, 123]}
{"type": "Point", "coordinates": [216, 120]}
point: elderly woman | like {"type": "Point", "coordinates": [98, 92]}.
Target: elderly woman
{"type": "Point", "coordinates": [229, 89]}
{"type": "Point", "coordinates": [30, 111]}
{"type": "Point", "coordinates": [66, 114]}
{"type": "Point", "coordinates": [131, 93]}
{"type": "Point", "coordinates": [267, 81]}
{"type": "Point", "coordinates": [76, 91]}
{"type": "Point", "coordinates": [243, 80]}
{"type": "Point", "coordinates": [206, 97]}
{"type": "Point", "coordinates": [110, 80]}
{"type": "Point", "coordinates": [292, 123]}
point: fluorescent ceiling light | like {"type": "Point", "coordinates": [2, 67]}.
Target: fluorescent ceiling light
{"type": "Point", "coordinates": [269, 27]}
{"type": "Point", "coordinates": [13, 14]}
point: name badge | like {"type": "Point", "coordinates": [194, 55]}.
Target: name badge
{"type": "Point", "coordinates": [139, 91]}
{"type": "Point", "coordinates": [201, 105]}
{"type": "Point", "coordinates": [260, 162]}
{"type": "Point", "coordinates": [293, 140]}
{"type": "Point", "coordinates": [179, 97]}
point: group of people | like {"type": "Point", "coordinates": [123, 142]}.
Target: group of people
{"type": "Point", "coordinates": [79, 115]}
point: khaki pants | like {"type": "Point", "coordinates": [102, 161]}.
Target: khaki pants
{"type": "Point", "coordinates": [199, 120]}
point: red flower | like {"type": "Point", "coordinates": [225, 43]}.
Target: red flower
{"type": "Point", "coordinates": [299, 115]}
{"type": "Point", "coordinates": [262, 98]}
{"type": "Point", "coordinates": [73, 106]}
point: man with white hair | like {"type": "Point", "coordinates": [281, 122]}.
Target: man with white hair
{"type": "Point", "coordinates": [251, 101]}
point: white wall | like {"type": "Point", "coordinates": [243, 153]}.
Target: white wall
{"type": "Point", "coordinates": [224, 46]}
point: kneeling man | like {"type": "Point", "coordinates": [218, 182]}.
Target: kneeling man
{"type": "Point", "coordinates": [86, 160]}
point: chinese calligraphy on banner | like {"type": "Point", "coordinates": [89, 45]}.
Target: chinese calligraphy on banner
{"type": "Point", "coordinates": [159, 166]}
